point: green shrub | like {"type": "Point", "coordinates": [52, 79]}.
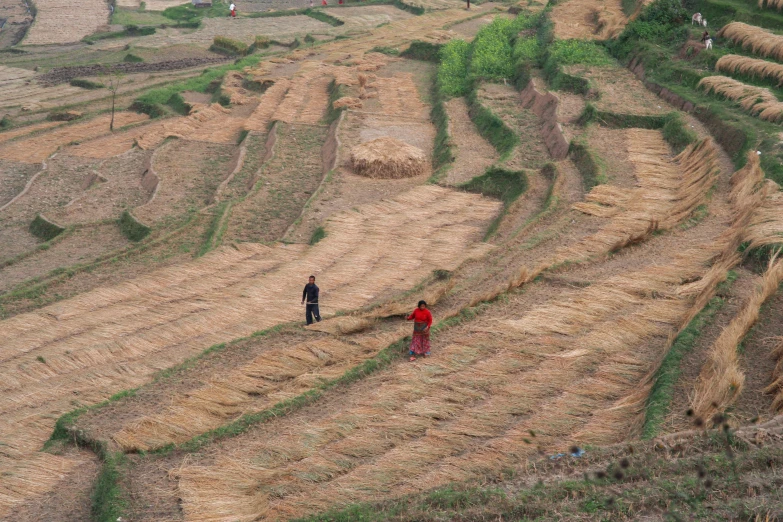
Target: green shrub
{"type": "Point", "coordinates": [496, 182]}
{"type": "Point", "coordinates": [490, 125]}
{"type": "Point", "coordinates": [132, 229]}
{"type": "Point", "coordinates": [453, 71]}
{"type": "Point", "coordinates": [676, 133]}
{"type": "Point", "coordinates": [318, 234]}
{"type": "Point", "coordinates": [491, 51]}
{"type": "Point", "coordinates": [85, 84]}
{"type": "Point", "coordinates": [108, 502]}
{"type": "Point", "coordinates": [43, 229]}
{"type": "Point", "coordinates": [132, 58]}
{"type": "Point", "coordinates": [178, 104]}
{"type": "Point", "coordinates": [424, 51]}
{"type": "Point", "coordinates": [572, 52]}
{"type": "Point", "coordinates": [6, 122]}
{"type": "Point", "coordinates": [153, 110]}
{"type": "Point", "coordinates": [230, 47]}
{"type": "Point", "coordinates": [525, 49]}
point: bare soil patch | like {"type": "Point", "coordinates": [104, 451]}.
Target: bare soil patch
{"type": "Point", "coordinates": [16, 240]}
{"type": "Point", "coordinates": [473, 153]}
{"type": "Point", "coordinates": [620, 91]}
{"type": "Point", "coordinates": [285, 184]}
{"type": "Point", "coordinates": [81, 246]}
{"type": "Point", "coordinates": [189, 172]}
{"type": "Point", "coordinates": [14, 176]}
{"type": "Point", "coordinates": [503, 100]}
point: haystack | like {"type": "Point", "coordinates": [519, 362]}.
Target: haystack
{"type": "Point", "coordinates": [388, 158]}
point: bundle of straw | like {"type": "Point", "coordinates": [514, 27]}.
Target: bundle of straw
{"type": "Point", "coordinates": [735, 63]}
{"type": "Point", "coordinates": [757, 39]}
{"type": "Point", "coordinates": [756, 100]}
{"type": "Point", "coordinates": [388, 158]}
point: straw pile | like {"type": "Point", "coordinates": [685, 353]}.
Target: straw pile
{"type": "Point", "coordinates": [735, 63]}
{"type": "Point", "coordinates": [771, 4]}
{"type": "Point", "coordinates": [756, 39]}
{"type": "Point", "coordinates": [348, 102]}
{"type": "Point", "coordinates": [756, 100]}
{"type": "Point", "coordinates": [388, 158]}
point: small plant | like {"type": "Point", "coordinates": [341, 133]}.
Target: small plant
{"type": "Point", "coordinates": [44, 229]}
{"type": "Point", "coordinates": [6, 122]}
{"type": "Point", "coordinates": [132, 58]}
{"type": "Point", "coordinates": [318, 234]}
{"type": "Point", "coordinates": [40, 359]}
{"type": "Point", "coordinates": [133, 229]}
{"type": "Point", "coordinates": [85, 84]}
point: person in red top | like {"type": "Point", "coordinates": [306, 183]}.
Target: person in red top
{"type": "Point", "coordinates": [422, 320]}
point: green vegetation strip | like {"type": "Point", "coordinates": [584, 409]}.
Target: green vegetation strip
{"type": "Point", "coordinates": [109, 501]}
{"type": "Point", "coordinates": [132, 228]}
{"type": "Point", "coordinates": [499, 183]}
{"type": "Point", "coordinates": [588, 163]}
{"type": "Point", "coordinates": [672, 125]}
{"type": "Point", "coordinates": [44, 229]}
{"type": "Point", "coordinates": [214, 234]}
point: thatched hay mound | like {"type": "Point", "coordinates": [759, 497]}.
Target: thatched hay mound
{"type": "Point", "coordinates": [388, 158]}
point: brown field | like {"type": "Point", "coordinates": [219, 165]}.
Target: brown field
{"type": "Point", "coordinates": [553, 311]}
{"type": "Point", "coordinates": [61, 21]}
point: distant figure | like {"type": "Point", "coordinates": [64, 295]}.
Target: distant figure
{"type": "Point", "coordinates": [233, 10]}
{"type": "Point", "coordinates": [422, 321]}
{"type": "Point", "coordinates": [323, 2]}
{"type": "Point", "coordinates": [708, 43]}
{"type": "Point", "coordinates": [310, 296]}
{"type": "Point", "coordinates": [706, 39]}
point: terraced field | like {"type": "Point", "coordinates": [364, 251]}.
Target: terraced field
{"type": "Point", "coordinates": [599, 256]}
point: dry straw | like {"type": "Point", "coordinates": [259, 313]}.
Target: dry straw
{"type": "Point", "coordinates": [771, 4]}
{"type": "Point", "coordinates": [776, 387]}
{"type": "Point", "coordinates": [758, 101]}
{"type": "Point", "coordinates": [737, 64]}
{"type": "Point", "coordinates": [388, 158]}
{"type": "Point", "coordinates": [756, 39]}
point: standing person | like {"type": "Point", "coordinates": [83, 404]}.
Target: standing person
{"type": "Point", "coordinates": [706, 36]}
{"type": "Point", "coordinates": [310, 296]}
{"type": "Point", "coordinates": [233, 10]}
{"type": "Point", "coordinates": [422, 321]}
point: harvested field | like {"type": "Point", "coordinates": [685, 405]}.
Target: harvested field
{"type": "Point", "coordinates": [39, 147]}
{"type": "Point", "coordinates": [738, 64]}
{"type": "Point", "coordinates": [189, 172]}
{"type": "Point", "coordinates": [473, 154]}
{"type": "Point", "coordinates": [284, 185]}
{"type": "Point", "coordinates": [434, 5]}
{"type": "Point", "coordinates": [81, 246]}
{"type": "Point", "coordinates": [29, 129]}
{"type": "Point", "coordinates": [368, 16]}
{"type": "Point", "coordinates": [758, 40]}
{"type": "Point", "coordinates": [18, 90]}
{"type": "Point", "coordinates": [531, 151]}
{"type": "Point", "coordinates": [588, 19]}
{"type": "Point", "coordinates": [173, 314]}
{"type": "Point", "coordinates": [463, 414]}
{"type": "Point", "coordinates": [16, 240]}
{"type": "Point", "coordinates": [14, 177]}
{"type": "Point", "coordinates": [759, 101]}
{"type": "Point", "coordinates": [620, 91]}
{"type": "Point", "coordinates": [58, 21]}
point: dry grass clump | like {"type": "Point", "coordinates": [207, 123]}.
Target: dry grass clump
{"type": "Point", "coordinates": [771, 4]}
{"type": "Point", "coordinates": [735, 63]}
{"type": "Point", "coordinates": [756, 39]}
{"type": "Point", "coordinates": [348, 102]}
{"type": "Point", "coordinates": [756, 100]}
{"type": "Point", "coordinates": [776, 388]}
{"type": "Point", "coordinates": [388, 158]}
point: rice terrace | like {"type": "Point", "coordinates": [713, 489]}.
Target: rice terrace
{"type": "Point", "coordinates": [546, 241]}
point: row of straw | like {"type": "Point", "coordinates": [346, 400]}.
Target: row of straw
{"type": "Point", "coordinates": [758, 40]}
{"type": "Point", "coordinates": [762, 69]}
{"type": "Point", "coordinates": [759, 101]}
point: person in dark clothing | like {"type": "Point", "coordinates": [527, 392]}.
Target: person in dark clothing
{"type": "Point", "coordinates": [310, 296]}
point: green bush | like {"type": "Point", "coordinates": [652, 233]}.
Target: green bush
{"type": "Point", "coordinates": [453, 70]}
{"type": "Point", "coordinates": [132, 58]}
{"type": "Point", "coordinates": [6, 122]}
{"type": "Point", "coordinates": [496, 182]}
{"type": "Point", "coordinates": [318, 234]}
{"type": "Point", "coordinates": [85, 84]}
{"type": "Point", "coordinates": [525, 49]}
{"type": "Point", "coordinates": [572, 52]}
{"type": "Point", "coordinates": [132, 229]}
{"type": "Point", "coordinates": [178, 104]}
{"type": "Point", "coordinates": [491, 51]}
{"type": "Point", "coordinates": [224, 45]}
{"type": "Point", "coordinates": [43, 229]}
{"type": "Point", "coordinates": [424, 51]}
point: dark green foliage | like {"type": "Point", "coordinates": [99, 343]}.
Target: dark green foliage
{"type": "Point", "coordinates": [442, 153]}
{"type": "Point", "coordinates": [189, 13]}
{"type": "Point", "coordinates": [414, 9]}
{"type": "Point", "coordinates": [453, 71]}
{"type": "Point", "coordinates": [677, 133]}
{"type": "Point", "coordinates": [132, 229]}
{"type": "Point", "coordinates": [336, 91]}
{"type": "Point", "coordinates": [43, 229]}
{"type": "Point", "coordinates": [211, 234]}
{"type": "Point", "coordinates": [391, 51]}
{"type": "Point", "coordinates": [323, 17]}
{"type": "Point", "coordinates": [490, 125]}
{"type": "Point", "coordinates": [506, 185]}
{"type": "Point", "coordinates": [227, 46]}
{"type": "Point", "coordinates": [588, 164]}
{"type": "Point", "coordinates": [85, 84]}
{"type": "Point", "coordinates": [108, 502]}
{"type": "Point", "coordinates": [424, 51]}
{"type": "Point", "coordinates": [132, 58]}
{"type": "Point", "coordinates": [629, 7]}
{"type": "Point", "coordinates": [130, 30]}
{"type": "Point", "coordinates": [318, 234]}
{"type": "Point", "coordinates": [309, 38]}
{"type": "Point", "coordinates": [497, 182]}
{"type": "Point", "coordinates": [242, 135]}
{"type": "Point", "coordinates": [154, 110]}
{"type": "Point", "coordinates": [6, 122]}
{"type": "Point", "coordinates": [178, 104]}
{"type": "Point", "coordinates": [659, 400]}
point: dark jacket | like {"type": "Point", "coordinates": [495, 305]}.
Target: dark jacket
{"type": "Point", "coordinates": [310, 293]}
